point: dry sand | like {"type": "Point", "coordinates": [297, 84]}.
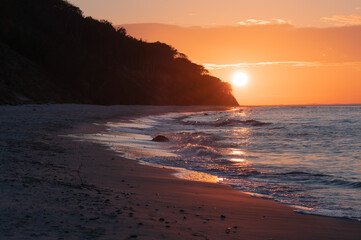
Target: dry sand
{"type": "Point", "coordinates": [53, 187]}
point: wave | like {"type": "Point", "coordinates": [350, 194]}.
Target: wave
{"type": "Point", "coordinates": [198, 150]}
{"type": "Point", "coordinates": [325, 212]}
{"type": "Point", "coordinates": [227, 122]}
{"type": "Point", "coordinates": [250, 122]}
{"type": "Point", "coordinates": [345, 183]}
{"type": "Point", "coordinates": [199, 138]}
{"type": "Point", "coordinates": [300, 173]}
{"type": "Point", "coordinates": [315, 178]}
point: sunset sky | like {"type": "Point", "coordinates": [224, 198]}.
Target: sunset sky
{"type": "Point", "coordinates": [293, 52]}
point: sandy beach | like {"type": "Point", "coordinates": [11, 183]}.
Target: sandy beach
{"type": "Point", "coordinates": [53, 186]}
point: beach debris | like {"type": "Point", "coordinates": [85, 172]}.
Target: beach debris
{"type": "Point", "coordinates": [181, 211]}
{"type": "Point", "coordinates": [160, 138]}
{"type": "Point", "coordinates": [168, 226]}
{"type": "Point", "coordinates": [228, 230]}
{"type": "Point", "coordinates": [223, 217]}
{"type": "Point", "coordinates": [161, 219]}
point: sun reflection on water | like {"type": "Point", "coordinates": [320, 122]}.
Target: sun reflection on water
{"type": "Point", "coordinates": [187, 174]}
{"type": "Point", "coordinates": [238, 160]}
{"type": "Point", "coordinates": [239, 131]}
{"type": "Point", "coordinates": [237, 152]}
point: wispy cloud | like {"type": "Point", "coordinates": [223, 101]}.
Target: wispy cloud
{"type": "Point", "coordinates": [253, 22]}
{"type": "Point", "coordinates": [249, 22]}
{"type": "Point", "coordinates": [343, 20]}
{"type": "Point", "coordinates": [211, 66]}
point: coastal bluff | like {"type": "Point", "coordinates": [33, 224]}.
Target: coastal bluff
{"type": "Point", "coordinates": [51, 53]}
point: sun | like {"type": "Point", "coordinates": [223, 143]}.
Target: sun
{"type": "Point", "coordinates": [240, 79]}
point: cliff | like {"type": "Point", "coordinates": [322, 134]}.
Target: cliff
{"type": "Point", "coordinates": [51, 53]}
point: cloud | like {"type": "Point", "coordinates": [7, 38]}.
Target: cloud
{"type": "Point", "coordinates": [343, 20]}
{"type": "Point", "coordinates": [249, 22]}
{"type": "Point", "coordinates": [281, 21]}
{"type": "Point", "coordinates": [358, 8]}
{"type": "Point", "coordinates": [253, 22]}
{"type": "Point", "coordinates": [211, 66]}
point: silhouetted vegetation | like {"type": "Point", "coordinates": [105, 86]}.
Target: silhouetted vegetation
{"type": "Point", "coordinates": [50, 52]}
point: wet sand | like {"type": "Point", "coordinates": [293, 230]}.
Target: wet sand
{"type": "Point", "coordinates": [55, 187]}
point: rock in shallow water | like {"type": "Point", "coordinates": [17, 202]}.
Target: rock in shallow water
{"type": "Point", "coordinates": [160, 138]}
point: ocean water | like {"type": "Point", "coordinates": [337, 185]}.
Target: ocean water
{"type": "Point", "coordinates": [305, 156]}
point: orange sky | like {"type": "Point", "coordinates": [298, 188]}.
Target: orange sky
{"type": "Point", "coordinates": [222, 12]}
{"type": "Point", "coordinates": [294, 52]}
{"type": "Point", "coordinates": [285, 64]}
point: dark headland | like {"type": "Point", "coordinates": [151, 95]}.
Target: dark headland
{"type": "Point", "coordinates": [51, 53]}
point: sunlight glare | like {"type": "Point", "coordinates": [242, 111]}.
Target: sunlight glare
{"type": "Point", "coordinates": [237, 152]}
{"type": "Point", "coordinates": [240, 79]}
{"type": "Point", "coordinates": [238, 160]}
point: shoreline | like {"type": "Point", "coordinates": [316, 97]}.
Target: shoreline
{"type": "Point", "coordinates": [95, 193]}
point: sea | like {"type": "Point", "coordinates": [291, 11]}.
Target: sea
{"type": "Point", "coordinates": [308, 157]}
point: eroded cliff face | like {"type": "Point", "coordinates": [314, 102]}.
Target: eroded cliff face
{"type": "Point", "coordinates": [23, 81]}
